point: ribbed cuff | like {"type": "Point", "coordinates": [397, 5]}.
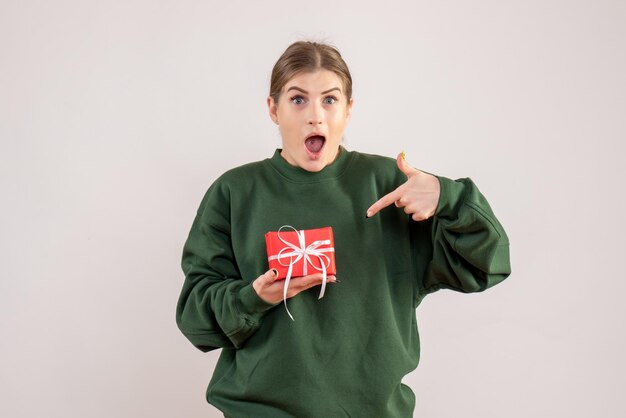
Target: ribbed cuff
{"type": "Point", "coordinates": [251, 304]}
{"type": "Point", "coordinates": [450, 197]}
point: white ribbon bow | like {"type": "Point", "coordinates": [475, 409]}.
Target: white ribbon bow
{"type": "Point", "coordinates": [296, 253]}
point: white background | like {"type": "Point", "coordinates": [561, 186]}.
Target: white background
{"type": "Point", "coordinates": [116, 116]}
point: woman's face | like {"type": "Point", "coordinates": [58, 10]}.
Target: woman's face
{"type": "Point", "coordinates": [312, 113]}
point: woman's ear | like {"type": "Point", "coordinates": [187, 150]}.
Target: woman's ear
{"type": "Point", "coordinates": [272, 107]}
{"type": "Point", "coordinates": [349, 109]}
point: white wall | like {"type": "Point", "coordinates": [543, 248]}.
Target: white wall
{"type": "Point", "coordinates": [116, 116]}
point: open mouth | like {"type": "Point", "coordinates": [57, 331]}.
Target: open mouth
{"type": "Point", "coordinates": [314, 144]}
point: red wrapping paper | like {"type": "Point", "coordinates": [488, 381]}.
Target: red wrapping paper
{"type": "Point", "coordinates": [305, 249]}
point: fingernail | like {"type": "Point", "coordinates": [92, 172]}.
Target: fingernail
{"type": "Point", "coordinates": [275, 272]}
{"type": "Point", "coordinates": [403, 155]}
{"type": "Point", "coordinates": [368, 214]}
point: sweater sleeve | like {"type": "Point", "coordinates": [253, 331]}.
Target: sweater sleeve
{"type": "Point", "coordinates": [469, 249]}
{"type": "Point", "coordinates": [216, 307]}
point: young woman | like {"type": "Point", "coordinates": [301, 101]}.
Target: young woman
{"type": "Point", "coordinates": [399, 234]}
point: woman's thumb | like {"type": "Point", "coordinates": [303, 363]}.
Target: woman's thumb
{"type": "Point", "coordinates": [270, 276]}
{"type": "Point", "coordinates": [404, 166]}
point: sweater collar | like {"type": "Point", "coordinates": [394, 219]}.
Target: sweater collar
{"type": "Point", "coordinates": [300, 175]}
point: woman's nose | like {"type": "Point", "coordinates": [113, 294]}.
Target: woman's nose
{"type": "Point", "coordinates": [316, 114]}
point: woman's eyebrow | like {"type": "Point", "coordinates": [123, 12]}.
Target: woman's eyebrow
{"type": "Point", "coordinates": [306, 92]}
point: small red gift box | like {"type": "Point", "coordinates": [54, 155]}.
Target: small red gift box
{"type": "Point", "coordinates": [305, 252]}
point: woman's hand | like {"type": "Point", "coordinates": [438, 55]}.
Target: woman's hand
{"type": "Point", "coordinates": [271, 290]}
{"type": "Point", "coordinates": [418, 196]}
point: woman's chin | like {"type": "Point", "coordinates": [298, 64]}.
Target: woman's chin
{"type": "Point", "coordinates": [313, 166]}
{"type": "Point", "coordinates": [310, 161]}
{"type": "Point", "coordinates": [316, 161]}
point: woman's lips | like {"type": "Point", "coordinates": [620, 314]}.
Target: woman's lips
{"type": "Point", "coordinates": [314, 145]}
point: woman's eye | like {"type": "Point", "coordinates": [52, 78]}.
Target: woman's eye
{"type": "Point", "coordinates": [331, 99]}
{"type": "Point", "coordinates": [297, 99]}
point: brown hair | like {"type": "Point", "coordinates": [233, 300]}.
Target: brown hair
{"type": "Point", "coordinates": [309, 56]}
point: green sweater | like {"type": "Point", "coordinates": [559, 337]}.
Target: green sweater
{"type": "Point", "coordinates": [345, 354]}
